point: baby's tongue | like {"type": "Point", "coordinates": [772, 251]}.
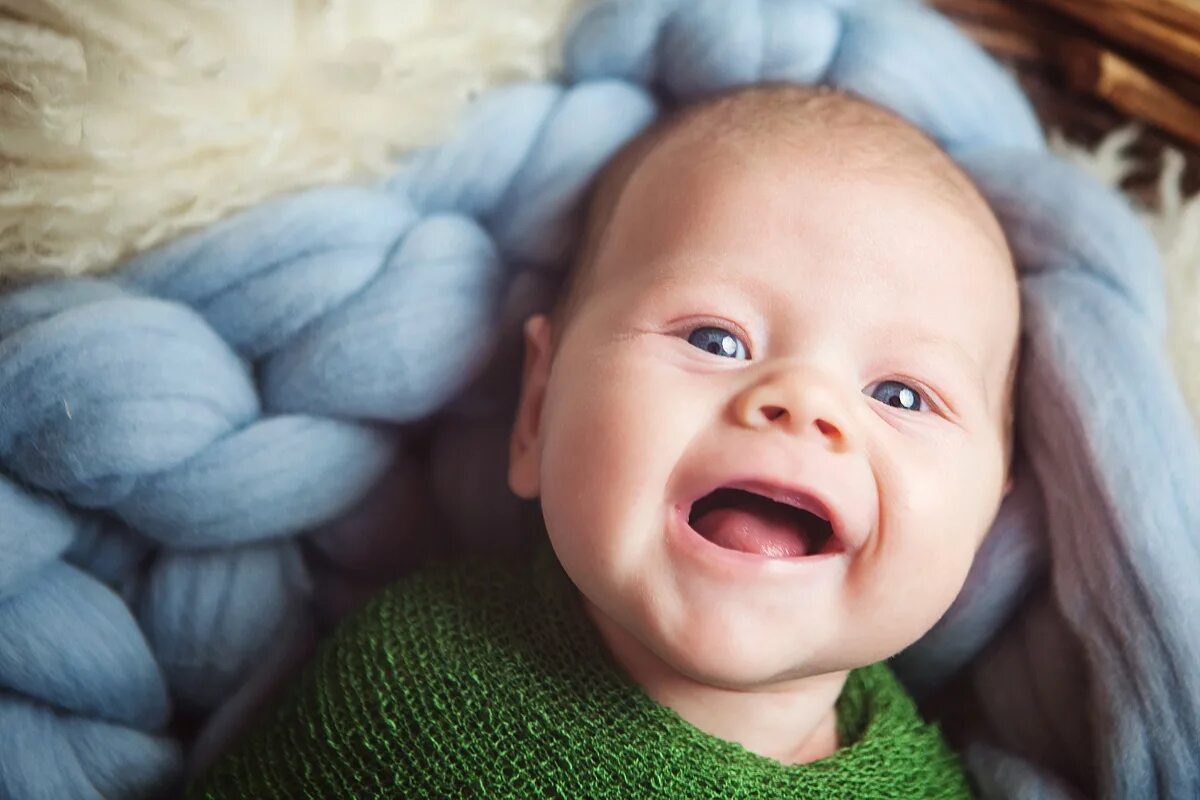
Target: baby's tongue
{"type": "Point", "coordinates": [764, 530]}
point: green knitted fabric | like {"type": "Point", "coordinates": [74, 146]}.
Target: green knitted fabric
{"type": "Point", "coordinates": [487, 679]}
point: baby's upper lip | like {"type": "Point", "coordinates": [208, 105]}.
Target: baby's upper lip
{"type": "Point", "coordinates": [802, 496]}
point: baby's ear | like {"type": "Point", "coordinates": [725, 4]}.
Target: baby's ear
{"type": "Point", "coordinates": [525, 445]}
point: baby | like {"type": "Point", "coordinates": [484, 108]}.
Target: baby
{"type": "Point", "coordinates": [768, 424]}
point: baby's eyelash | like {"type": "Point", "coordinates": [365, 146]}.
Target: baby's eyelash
{"type": "Point", "coordinates": [930, 400]}
{"type": "Point", "coordinates": [726, 347]}
{"type": "Point", "coordinates": [732, 329]}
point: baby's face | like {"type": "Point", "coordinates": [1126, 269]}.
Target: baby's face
{"type": "Point", "coordinates": [833, 336]}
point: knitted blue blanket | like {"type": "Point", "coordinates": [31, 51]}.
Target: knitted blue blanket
{"type": "Point", "coordinates": [179, 442]}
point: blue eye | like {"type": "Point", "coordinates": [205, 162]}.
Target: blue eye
{"type": "Point", "coordinates": [898, 395]}
{"type": "Point", "coordinates": [717, 341]}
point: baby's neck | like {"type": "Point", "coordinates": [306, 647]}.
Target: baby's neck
{"type": "Point", "coordinates": [793, 724]}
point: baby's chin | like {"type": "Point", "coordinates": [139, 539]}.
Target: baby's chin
{"type": "Point", "coordinates": [722, 673]}
{"type": "Point", "coordinates": [727, 645]}
{"type": "Point", "coordinates": [764, 665]}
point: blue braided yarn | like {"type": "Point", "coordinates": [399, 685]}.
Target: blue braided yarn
{"type": "Point", "coordinates": [168, 435]}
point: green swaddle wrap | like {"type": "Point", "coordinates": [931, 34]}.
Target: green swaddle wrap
{"type": "Point", "coordinates": [485, 678]}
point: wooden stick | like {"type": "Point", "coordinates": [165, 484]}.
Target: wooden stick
{"type": "Point", "coordinates": [1146, 34]}
{"type": "Point", "coordinates": [1038, 36]}
{"type": "Point", "coordinates": [1094, 69]}
{"type": "Point", "coordinates": [1004, 29]}
{"type": "Point", "coordinates": [990, 11]}
{"type": "Point", "coordinates": [1005, 43]}
{"type": "Point", "coordinates": [1183, 14]}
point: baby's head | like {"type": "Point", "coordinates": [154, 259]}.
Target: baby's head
{"type": "Point", "coordinates": [769, 420]}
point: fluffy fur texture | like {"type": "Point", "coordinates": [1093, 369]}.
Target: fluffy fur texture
{"type": "Point", "coordinates": [128, 122]}
{"type": "Point", "coordinates": [1175, 224]}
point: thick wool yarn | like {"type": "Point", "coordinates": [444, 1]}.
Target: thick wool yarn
{"type": "Point", "coordinates": [169, 435]}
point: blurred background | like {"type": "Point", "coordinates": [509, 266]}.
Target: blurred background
{"type": "Point", "coordinates": [1091, 66]}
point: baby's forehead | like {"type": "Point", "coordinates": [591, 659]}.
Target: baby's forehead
{"type": "Point", "coordinates": [808, 119]}
{"type": "Point", "coordinates": [767, 123]}
{"type": "Point", "coordinates": [838, 131]}
{"type": "Point", "coordinates": [785, 122]}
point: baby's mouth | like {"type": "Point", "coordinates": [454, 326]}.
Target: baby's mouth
{"type": "Point", "coordinates": [737, 519]}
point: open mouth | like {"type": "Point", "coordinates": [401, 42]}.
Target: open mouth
{"type": "Point", "coordinates": [739, 519]}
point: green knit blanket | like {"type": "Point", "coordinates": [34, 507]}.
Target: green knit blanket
{"type": "Point", "coordinates": [486, 679]}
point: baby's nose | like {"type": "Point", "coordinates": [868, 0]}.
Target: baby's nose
{"type": "Point", "coordinates": [803, 401]}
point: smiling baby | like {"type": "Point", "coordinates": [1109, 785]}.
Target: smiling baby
{"type": "Point", "coordinates": [768, 424]}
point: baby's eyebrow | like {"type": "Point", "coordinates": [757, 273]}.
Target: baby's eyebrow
{"type": "Point", "coordinates": [764, 294]}
{"type": "Point", "coordinates": [956, 351]}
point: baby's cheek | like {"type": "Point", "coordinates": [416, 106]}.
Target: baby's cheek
{"type": "Point", "coordinates": [600, 453]}
{"type": "Point", "coordinates": [934, 501]}
{"type": "Point", "coordinates": [613, 433]}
